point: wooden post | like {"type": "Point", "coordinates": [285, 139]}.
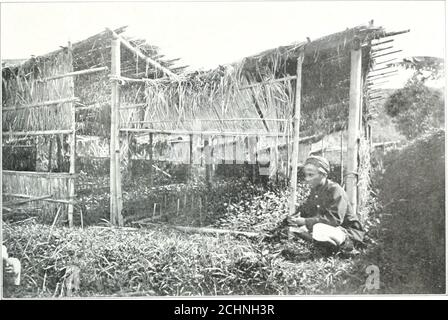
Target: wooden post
{"type": "Point", "coordinates": [190, 173]}
{"type": "Point", "coordinates": [115, 173]}
{"type": "Point", "coordinates": [150, 173]}
{"type": "Point", "coordinates": [296, 128]}
{"type": "Point", "coordinates": [129, 138]}
{"type": "Point", "coordinates": [60, 160]}
{"type": "Point", "coordinates": [50, 153]}
{"type": "Point", "coordinates": [200, 211]}
{"type": "Point", "coordinates": [72, 168]}
{"type": "Point", "coordinates": [36, 151]}
{"type": "Point", "coordinates": [342, 157]}
{"type": "Point", "coordinates": [353, 124]}
{"type": "Point", "coordinates": [207, 160]}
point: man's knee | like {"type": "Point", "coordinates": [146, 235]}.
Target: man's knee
{"type": "Point", "coordinates": [326, 233]}
{"type": "Point", "coordinates": [301, 232]}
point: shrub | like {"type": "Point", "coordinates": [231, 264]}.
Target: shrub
{"type": "Point", "coordinates": [412, 193]}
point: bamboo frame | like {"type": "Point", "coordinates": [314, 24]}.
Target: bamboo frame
{"type": "Point", "coordinates": [296, 128]}
{"type": "Point", "coordinates": [141, 55]}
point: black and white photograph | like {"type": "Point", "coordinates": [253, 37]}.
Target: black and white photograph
{"type": "Point", "coordinates": [222, 149]}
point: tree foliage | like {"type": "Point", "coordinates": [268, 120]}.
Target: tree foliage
{"type": "Point", "coordinates": [418, 108]}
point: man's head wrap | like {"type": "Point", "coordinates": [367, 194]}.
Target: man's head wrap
{"type": "Point", "coordinates": [320, 163]}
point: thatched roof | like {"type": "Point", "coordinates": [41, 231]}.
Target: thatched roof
{"type": "Point", "coordinates": [95, 51]}
{"type": "Point", "coordinates": [216, 95]}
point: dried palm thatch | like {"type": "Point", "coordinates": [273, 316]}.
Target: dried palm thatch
{"type": "Point", "coordinates": [30, 103]}
{"type": "Point", "coordinates": [242, 96]}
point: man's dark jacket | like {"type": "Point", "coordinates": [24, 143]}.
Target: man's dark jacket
{"type": "Point", "coordinates": [328, 203]}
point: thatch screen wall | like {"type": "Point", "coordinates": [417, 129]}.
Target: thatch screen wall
{"type": "Point", "coordinates": [38, 109]}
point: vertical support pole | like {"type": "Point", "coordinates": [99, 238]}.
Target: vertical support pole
{"type": "Point", "coordinates": [296, 130]}
{"type": "Point", "coordinates": [115, 172]}
{"type": "Point", "coordinates": [342, 157]}
{"type": "Point", "coordinates": [207, 160]}
{"type": "Point", "coordinates": [288, 140]}
{"type": "Point", "coordinates": [59, 141]}
{"type": "Point", "coordinates": [72, 168]}
{"type": "Point", "coordinates": [353, 124]}
{"type": "Point", "coordinates": [130, 151]}
{"type": "Point", "coordinates": [36, 150]}
{"type": "Point", "coordinates": [190, 173]}
{"type": "Point", "coordinates": [151, 157]}
{"type": "Point", "coordinates": [50, 153]}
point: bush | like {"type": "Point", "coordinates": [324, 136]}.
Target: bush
{"type": "Point", "coordinates": [412, 193]}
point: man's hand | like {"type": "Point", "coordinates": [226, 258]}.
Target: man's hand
{"type": "Point", "coordinates": [8, 267]}
{"type": "Point", "coordinates": [296, 221]}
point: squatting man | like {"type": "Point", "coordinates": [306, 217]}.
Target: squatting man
{"type": "Point", "coordinates": [11, 269]}
{"type": "Point", "coordinates": [326, 217]}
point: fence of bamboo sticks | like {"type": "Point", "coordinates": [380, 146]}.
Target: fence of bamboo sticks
{"type": "Point", "coordinates": [22, 184]}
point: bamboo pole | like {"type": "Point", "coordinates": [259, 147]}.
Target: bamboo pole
{"type": "Point", "coordinates": [72, 169]}
{"type": "Point", "coordinates": [382, 42]}
{"type": "Point", "coordinates": [190, 174]}
{"type": "Point", "coordinates": [342, 157]}
{"type": "Point", "coordinates": [75, 73]}
{"type": "Point", "coordinates": [210, 133]}
{"type": "Point", "coordinates": [47, 175]}
{"type": "Point", "coordinates": [296, 128]}
{"type": "Point", "coordinates": [27, 200]}
{"type": "Point", "coordinates": [381, 49]}
{"type": "Point", "coordinates": [115, 181]}
{"type": "Point", "coordinates": [374, 76]}
{"type": "Point", "coordinates": [208, 159]}
{"type": "Point", "coordinates": [142, 56]}
{"type": "Point", "coordinates": [386, 54]}
{"type": "Point", "coordinates": [151, 178]}
{"type": "Point", "coordinates": [205, 120]}
{"type": "Point", "coordinates": [385, 61]}
{"type": "Point", "coordinates": [36, 133]}
{"type": "Point", "coordinates": [268, 82]}
{"type": "Point", "coordinates": [50, 154]}
{"type": "Point", "coordinates": [59, 142]}
{"type": "Point", "coordinates": [129, 155]}
{"type": "Point", "coordinates": [200, 212]}
{"type": "Point", "coordinates": [42, 104]}
{"type": "Point", "coordinates": [353, 124]}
